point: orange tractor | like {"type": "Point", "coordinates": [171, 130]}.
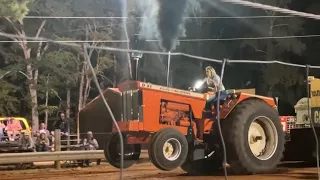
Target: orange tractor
{"type": "Point", "coordinates": [170, 121]}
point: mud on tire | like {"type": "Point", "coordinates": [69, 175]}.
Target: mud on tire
{"type": "Point", "coordinates": [235, 131]}
{"type": "Point", "coordinates": [112, 152]}
{"type": "Point", "coordinates": [168, 149]}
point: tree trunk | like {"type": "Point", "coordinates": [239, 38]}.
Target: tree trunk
{"type": "Point", "coordinates": [87, 81]}
{"type": "Point", "coordinates": [86, 91]}
{"type": "Point", "coordinates": [33, 80]}
{"type": "Point", "coordinates": [46, 103]}
{"type": "Point", "coordinates": [114, 71]}
{"type": "Point", "coordinates": [34, 106]}
{"type": "Point", "coordinates": [32, 73]}
{"type": "Point", "coordinates": [270, 50]}
{"type": "Point", "coordinates": [125, 34]}
{"type": "Point", "coordinates": [68, 103]}
{"type": "Point", "coordinates": [80, 103]}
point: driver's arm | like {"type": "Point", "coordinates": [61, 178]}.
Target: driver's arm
{"type": "Point", "coordinates": [211, 85]}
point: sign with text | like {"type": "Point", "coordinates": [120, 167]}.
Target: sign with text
{"type": "Point", "coordinates": [315, 93]}
{"type": "Point", "coordinates": [315, 115]}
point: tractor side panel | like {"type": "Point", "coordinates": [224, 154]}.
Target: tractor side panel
{"type": "Point", "coordinates": [163, 109]}
{"type": "Point", "coordinates": [96, 118]}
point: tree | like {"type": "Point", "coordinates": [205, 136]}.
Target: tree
{"type": "Point", "coordinates": [31, 60]}
{"type": "Point", "coordinates": [57, 72]}
{"type": "Point", "coordinates": [275, 49]}
{"type": "Point", "coordinates": [11, 10]}
{"type": "Point", "coordinates": [14, 9]}
{"type": "Point", "coordinates": [310, 56]}
{"type": "Point", "coordinates": [8, 100]}
{"type": "Point", "coordinates": [31, 70]}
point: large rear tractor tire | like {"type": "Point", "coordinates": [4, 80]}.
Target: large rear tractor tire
{"type": "Point", "coordinates": [254, 138]}
{"type": "Point", "coordinates": [168, 149]}
{"type": "Point", "coordinates": [112, 152]}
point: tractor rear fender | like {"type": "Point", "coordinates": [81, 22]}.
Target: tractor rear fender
{"type": "Point", "coordinates": [235, 99]}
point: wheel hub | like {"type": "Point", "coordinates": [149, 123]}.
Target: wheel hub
{"type": "Point", "coordinates": [262, 138]}
{"type": "Point", "coordinates": [257, 139]}
{"type": "Point", "coordinates": [172, 149]}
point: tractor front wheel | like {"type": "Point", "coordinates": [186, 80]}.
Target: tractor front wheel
{"type": "Point", "coordinates": [168, 149]}
{"type": "Point", "coordinates": [112, 152]}
{"type": "Point", "coordinates": [254, 138]}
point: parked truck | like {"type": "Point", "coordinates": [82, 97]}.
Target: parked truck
{"type": "Point", "coordinates": [300, 140]}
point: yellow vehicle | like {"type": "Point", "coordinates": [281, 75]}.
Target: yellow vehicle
{"type": "Point", "coordinates": [12, 128]}
{"type": "Point", "coordinates": [23, 123]}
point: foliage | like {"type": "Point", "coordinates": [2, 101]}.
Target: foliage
{"type": "Point", "coordinates": [60, 64]}
{"type": "Point", "coordinates": [275, 49]}
{"type": "Point", "coordinates": [9, 103]}
{"type": "Point", "coordinates": [14, 9]}
{"type": "Point", "coordinates": [51, 109]}
{"type": "Point", "coordinates": [285, 75]}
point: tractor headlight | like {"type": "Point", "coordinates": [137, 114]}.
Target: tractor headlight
{"type": "Point", "coordinates": [198, 84]}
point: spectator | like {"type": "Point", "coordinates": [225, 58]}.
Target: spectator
{"type": "Point", "coordinates": [13, 128]}
{"type": "Point", "coordinates": [26, 142]}
{"type": "Point", "coordinates": [90, 143]}
{"type": "Point", "coordinates": [2, 128]}
{"type": "Point", "coordinates": [62, 124]}
{"type": "Point", "coordinates": [43, 129]}
{"type": "Point", "coordinates": [42, 143]}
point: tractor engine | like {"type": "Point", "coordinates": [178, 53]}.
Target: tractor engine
{"type": "Point", "coordinates": [176, 114]}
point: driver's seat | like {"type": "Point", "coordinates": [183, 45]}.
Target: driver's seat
{"type": "Point", "coordinates": [208, 114]}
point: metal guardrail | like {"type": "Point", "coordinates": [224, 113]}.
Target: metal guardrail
{"type": "Point", "coordinates": [14, 158]}
{"type": "Point", "coordinates": [57, 156]}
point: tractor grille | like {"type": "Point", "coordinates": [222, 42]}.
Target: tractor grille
{"type": "Point", "coordinates": [131, 105]}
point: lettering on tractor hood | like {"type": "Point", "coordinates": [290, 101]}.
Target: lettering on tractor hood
{"type": "Point", "coordinates": [171, 90]}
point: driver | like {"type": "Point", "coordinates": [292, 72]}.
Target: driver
{"type": "Point", "coordinates": [213, 82]}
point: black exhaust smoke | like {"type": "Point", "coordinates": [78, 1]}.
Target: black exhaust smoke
{"type": "Point", "coordinates": [171, 22]}
{"type": "Point", "coordinates": [164, 20]}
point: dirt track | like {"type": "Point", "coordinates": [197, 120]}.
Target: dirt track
{"type": "Point", "coordinates": [146, 171]}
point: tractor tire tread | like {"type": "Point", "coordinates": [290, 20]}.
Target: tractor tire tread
{"type": "Point", "coordinates": [242, 163]}
{"type": "Point", "coordinates": [156, 154]}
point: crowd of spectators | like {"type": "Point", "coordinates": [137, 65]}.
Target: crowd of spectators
{"type": "Point", "coordinates": [14, 131]}
{"type": "Point", "coordinates": [42, 140]}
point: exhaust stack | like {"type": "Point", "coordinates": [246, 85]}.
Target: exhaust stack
{"type": "Point", "coordinates": [168, 68]}
{"type": "Point", "coordinates": [135, 64]}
